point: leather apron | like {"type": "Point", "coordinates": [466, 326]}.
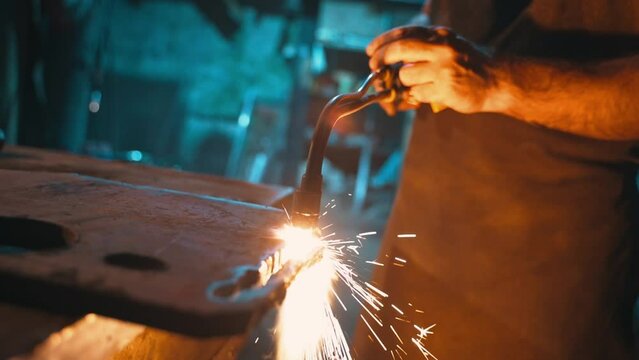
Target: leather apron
{"type": "Point", "coordinates": [526, 240]}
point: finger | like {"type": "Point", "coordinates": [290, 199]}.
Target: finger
{"type": "Point", "coordinates": [425, 93]}
{"type": "Point", "coordinates": [389, 108]}
{"type": "Point", "coordinates": [393, 35]}
{"type": "Point", "coordinates": [402, 32]}
{"type": "Point", "coordinates": [392, 108]}
{"type": "Point", "coordinates": [388, 36]}
{"type": "Point", "coordinates": [437, 107]}
{"type": "Point", "coordinates": [405, 106]}
{"type": "Point", "coordinates": [417, 73]}
{"type": "Point", "coordinates": [408, 51]}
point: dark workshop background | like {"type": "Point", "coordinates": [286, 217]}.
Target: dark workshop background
{"type": "Point", "coordinates": [230, 88]}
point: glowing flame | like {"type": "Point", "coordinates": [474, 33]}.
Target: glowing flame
{"type": "Point", "coordinates": [307, 328]}
{"type": "Point", "coordinates": [300, 243]}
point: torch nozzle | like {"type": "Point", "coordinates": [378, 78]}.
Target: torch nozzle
{"type": "Point", "coordinates": [307, 198]}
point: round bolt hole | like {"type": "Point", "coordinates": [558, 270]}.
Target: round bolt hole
{"type": "Point", "coordinates": [135, 262]}
{"type": "Point", "coordinates": [248, 279]}
{"type": "Point", "coordinates": [226, 290]}
{"type": "Point", "coordinates": [21, 235]}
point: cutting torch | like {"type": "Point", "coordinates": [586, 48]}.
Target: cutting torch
{"type": "Point", "coordinates": [386, 89]}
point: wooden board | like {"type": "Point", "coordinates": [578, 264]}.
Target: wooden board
{"type": "Point", "coordinates": [162, 258]}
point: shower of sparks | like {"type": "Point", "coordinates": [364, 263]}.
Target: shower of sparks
{"type": "Point", "coordinates": [380, 292]}
{"type": "Point", "coordinates": [403, 261]}
{"type": "Point", "coordinates": [367, 233]}
{"type": "Point", "coordinates": [373, 332]}
{"type": "Point", "coordinates": [406, 235]}
{"type": "Point", "coordinates": [397, 309]}
{"type": "Point", "coordinates": [326, 227]}
{"type": "Point", "coordinates": [396, 335]}
{"type": "Point", "coordinates": [307, 327]}
{"type": "Point", "coordinates": [374, 263]}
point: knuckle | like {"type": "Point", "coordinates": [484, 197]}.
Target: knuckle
{"type": "Point", "coordinates": [395, 34]}
{"type": "Point", "coordinates": [447, 75]}
{"type": "Point", "coordinates": [376, 60]}
{"type": "Point", "coordinates": [401, 31]}
{"type": "Point", "coordinates": [442, 31]}
{"type": "Point", "coordinates": [394, 52]}
{"type": "Point", "coordinates": [447, 52]}
{"type": "Point", "coordinates": [443, 35]}
{"type": "Point", "coordinates": [370, 48]}
{"type": "Point", "coordinates": [397, 47]}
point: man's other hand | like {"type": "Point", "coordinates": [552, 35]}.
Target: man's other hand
{"type": "Point", "coordinates": [440, 67]}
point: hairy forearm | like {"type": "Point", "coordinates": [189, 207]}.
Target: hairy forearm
{"type": "Point", "coordinates": [596, 100]}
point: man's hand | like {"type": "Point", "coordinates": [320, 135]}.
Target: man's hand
{"type": "Point", "coordinates": [595, 99]}
{"type": "Point", "coordinates": [439, 68]}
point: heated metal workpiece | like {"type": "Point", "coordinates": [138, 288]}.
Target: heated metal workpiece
{"type": "Point", "coordinates": [33, 159]}
{"type": "Point", "coordinates": [307, 198]}
{"type": "Point", "coordinates": [188, 263]}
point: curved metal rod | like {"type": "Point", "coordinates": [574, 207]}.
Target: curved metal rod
{"type": "Point", "coordinates": [307, 198]}
{"type": "Point", "coordinates": [336, 109]}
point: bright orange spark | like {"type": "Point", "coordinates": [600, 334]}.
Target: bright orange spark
{"type": "Point", "coordinates": [307, 327]}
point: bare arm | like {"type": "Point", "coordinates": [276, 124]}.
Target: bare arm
{"type": "Point", "coordinates": [595, 100]}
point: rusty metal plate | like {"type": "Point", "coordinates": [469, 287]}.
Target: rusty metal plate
{"type": "Point", "coordinates": [32, 159]}
{"type": "Point", "coordinates": [194, 264]}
